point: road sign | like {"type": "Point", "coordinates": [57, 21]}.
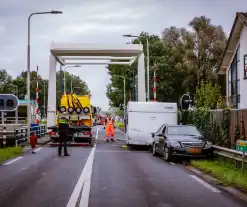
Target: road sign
{"type": "Point", "coordinates": [241, 145]}
{"type": "Point", "coordinates": [8, 102]}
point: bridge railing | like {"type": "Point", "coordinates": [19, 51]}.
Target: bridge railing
{"type": "Point", "coordinates": [16, 134]}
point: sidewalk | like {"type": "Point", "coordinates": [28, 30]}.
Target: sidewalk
{"type": "Point", "coordinates": [41, 141]}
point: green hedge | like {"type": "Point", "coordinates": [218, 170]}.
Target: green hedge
{"type": "Point", "coordinates": [203, 119]}
{"type": "Point", "coordinates": [119, 124]}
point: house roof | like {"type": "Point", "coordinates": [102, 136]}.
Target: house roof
{"type": "Point", "coordinates": [239, 22]}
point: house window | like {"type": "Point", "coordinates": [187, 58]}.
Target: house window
{"type": "Point", "coordinates": [245, 66]}
{"type": "Point", "coordinates": [229, 82]}
{"type": "Point", "coordinates": [233, 81]}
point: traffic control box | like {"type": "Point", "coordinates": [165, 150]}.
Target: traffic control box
{"type": "Point", "coordinates": [8, 102]}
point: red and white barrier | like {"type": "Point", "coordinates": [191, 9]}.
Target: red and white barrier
{"type": "Point", "coordinates": [37, 98]}
{"type": "Point", "coordinates": [155, 67]}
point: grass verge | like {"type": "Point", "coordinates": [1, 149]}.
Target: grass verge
{"type": "Point", "coordinates": [225, 171]}
{"type": "Point", "coordinates": [119, 124]}
{"type": "Point", "coordinates": [9, 152]}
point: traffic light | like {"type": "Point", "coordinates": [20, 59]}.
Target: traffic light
{"type": "Point", "coordinates": [8, 102]}
{"type": "Point", "coordinates": [1, 102]}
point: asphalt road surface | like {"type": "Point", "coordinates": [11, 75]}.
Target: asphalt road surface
{"type": "Point", "coordinates": [108, 175]}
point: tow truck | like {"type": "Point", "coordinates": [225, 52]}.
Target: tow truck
{"type": "Point", "coordinates": [79, 112]}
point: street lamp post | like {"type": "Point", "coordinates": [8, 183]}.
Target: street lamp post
{"type": "Point", "coordinates": [148, 90]}
{"type": "Point", "coordinates": [64, 76]}
{"type": "Point", "coordinates": [28, 70]}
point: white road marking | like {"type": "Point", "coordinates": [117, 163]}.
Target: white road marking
{"type": "Point", "coordinates": [38, 149]}
{"type": "Point", "coordinates": [205, 184]}
{"type": "Point", "coordinates": [113, 151]}
{"type": "Point", "coordinates": [12, 161]}
{"type": "Point", "coordinates": [87, 183]}
{"type": "Point", "coordinates": [83, 181]}
{"type": "Point", "coordinates": [172, 163]}
{"type": "Point", "coordinates": [97, 134]}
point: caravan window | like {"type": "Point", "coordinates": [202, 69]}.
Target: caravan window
{"type": "Point", "coordinates": [164, 130]}
{"type": "Point", "coordinates": [159, 130]}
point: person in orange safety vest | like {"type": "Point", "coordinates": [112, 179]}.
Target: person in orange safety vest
{"type": "Point", "coordinates": [109, 126]}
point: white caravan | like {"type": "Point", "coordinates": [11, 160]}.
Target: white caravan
{"type": "Point", "coordinates": [144, 118]}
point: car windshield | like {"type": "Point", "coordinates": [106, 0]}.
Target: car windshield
{"type": "Point", "coordinates": [183, 131]}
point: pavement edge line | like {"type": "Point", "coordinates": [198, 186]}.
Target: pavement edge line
{"type": "Point", "coordinates": [12, 161]}
{"type": "Point", "coordinates": [210, 179]}
{"type": "Point", "coordinates": [205, 184]}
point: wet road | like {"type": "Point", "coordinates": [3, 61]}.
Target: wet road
{"type": "Point", "coordinates": [108, 175]}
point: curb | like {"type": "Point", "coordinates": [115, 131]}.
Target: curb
{"type": "Point", "coordinates": [212, 180]}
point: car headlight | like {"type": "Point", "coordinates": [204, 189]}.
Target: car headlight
{"type": "Point", "coordinates": [175, 144]}
{"type": "Point", "coordinates": [208, 145]}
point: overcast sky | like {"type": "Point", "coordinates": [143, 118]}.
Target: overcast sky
{"type": "Point", "coordinates": [100, 21]}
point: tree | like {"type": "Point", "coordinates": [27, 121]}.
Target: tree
{"type": "Point", "coordinates": [6, 82]}
{"type": "Point", "coordinates": [168, 79]}
{"type": "Point", "coordinates": [185, 59]}
{"type": "Point", "coordinates": [20, 83]}
{"type": "Point", "coordinates": [119, 113]}
{"type": "Point", "coordinates": [209, 96]}
{"type": "Point", "coordinates": [115, 88]}
{"type": "Point", "coordinates": [198, 52]}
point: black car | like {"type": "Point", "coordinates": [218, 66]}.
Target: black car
{"type": "Point", "coordinates": [180, 140]}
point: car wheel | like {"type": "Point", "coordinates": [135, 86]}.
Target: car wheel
{"type": "Point", "coordinates": [154, 150]}
{"type": "Point", "coordinates": [167, 154]}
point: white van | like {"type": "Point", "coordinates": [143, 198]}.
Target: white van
{"type": "Point", "coordinates": [144, 118]}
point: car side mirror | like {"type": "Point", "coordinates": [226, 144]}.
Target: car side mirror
{"type": "Point", "coordinates": [161, 135]}
{"type": "Point", "coordinates": [153, 135]}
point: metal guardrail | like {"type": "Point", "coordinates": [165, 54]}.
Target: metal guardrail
{"type": "Point", "coordinates": [16, 134]}
{"type": "Point", "coordinates": [231, 154]}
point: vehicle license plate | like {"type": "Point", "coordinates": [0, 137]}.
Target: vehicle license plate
{"type": "Point", "coordinates": [78, 134]}
{"type": "Point", "coordinates": [194, 150]}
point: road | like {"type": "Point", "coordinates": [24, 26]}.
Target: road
{"type": "Point", "coordinates": [108, 175]}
